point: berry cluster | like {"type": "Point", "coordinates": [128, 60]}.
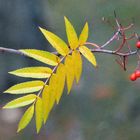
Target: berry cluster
{"type": "Point", "coordinates": [135, 75]}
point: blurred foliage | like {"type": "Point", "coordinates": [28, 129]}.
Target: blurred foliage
{"type": "Point", "coordinates": [105, 105]}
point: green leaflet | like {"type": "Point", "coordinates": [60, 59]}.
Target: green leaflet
{"type": "Point", "coordinates": [22, 101]}
{"type": "Point", "coordinates": [71, 34]}
{"type": "Point", "coordinates": [33, 72]}
{"type": "Point", "coordinates": [56, 42]}
{"type": "Point", "coordinates": [43, 56]}
{"type": "Point", "coordinates": [88, 55]}
{"type": "Point", "coordinates": [39, 113]}
{"type": "Point", "coordinates": [26, 118]}
{"type": "Point", "coordinates": [25, 87]}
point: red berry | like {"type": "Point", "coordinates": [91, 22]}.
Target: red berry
{"type": "Point", "coordinates": [137, 73]}
{"type": "Point", "coordinates": [133, 77]}
{"type": "Point", "coordinates": [138, 44]}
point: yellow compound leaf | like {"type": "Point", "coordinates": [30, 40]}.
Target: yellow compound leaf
{"type": "Point", "coordinates": [84, 35]}
{"type": "Point", "coordinates": [26, 118]}
{"type": "Point", "coordinates": [39, 113]}
{"type": "Point", "coordinates": [77, 60]}
{"type": "Point", "coordinates": [56, 42]}
{"type": "Point", "coordinates": [71, 34]}
{"type": "Point", "coordinates": [69, 72]}
{"type": "Point", "coordinates": [88, 55]}
{"type": "Point", "coordinates": [33, 72]}
{"type": "Point", "coordinates": [61, 81]}
{"type": "Point", "coordinates": [46, 97]}
{"type": "Point", "coordinates": [22, 101]}
{"type": "Point", "coordinates": [43, 56]}
{"type": "Point", "coordinates": [26, 87]}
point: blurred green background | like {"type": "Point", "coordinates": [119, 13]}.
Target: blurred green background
{"type": "Point", "coordinates": [105, 105]}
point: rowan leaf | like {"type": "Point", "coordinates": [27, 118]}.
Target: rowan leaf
{"type": "Point", "coordinates": [33, 72]}
{"type": "Point", "coordinates": [77, 60]}
{"type": "Point", "coordinates": [26, 118]}
{"type": "Point", "coordinates": [46, 97]}
{"type": "Point", "coordinates": [22, 101]}
{"type": "Point", "coordinates": [43, 56]}
{"type": "Point", "coordinates": [71, 34]}
{"type": "Point", "coordinates": [88, 55]}
{"type": "Point", "coordinates": [61, 81]}
{"type": "Point", "coordinates": [69, 72]}
{"type": "Point", "coordinates": [39, 113]}
{"type": "Point", "coordinates": [84, 35]}
{"type": "Point", "coordinates": [56, 42]}
{"type": "Point", "coordinates": [25, 87]}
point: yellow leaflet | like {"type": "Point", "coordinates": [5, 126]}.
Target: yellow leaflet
{"type": "Point", "coordinates": [71, 34]}
{"type": "Point", "coordinates": [56, 42]}
{"type": "Point", "coordinates": [26, 118]}
{"type": "Point", "coordinates": [69, 72]}
{"type": "Point", "coordinates": [61, 81]}
{"type": "Point", "coordinates": [25, 87]}
{"type": "Point", "coordinates": [22, 101]}
{"type": "Point", "coordinates": [88, 55]}
{"type": "Point", "coordinates": [39, 113]}
{"type": "Point", "coordinates": [84, 35]}
{"type": "Point", "coordinates": [43, 56]}
{"type": "Point", "coordinates": [46, 97]}
{"type": "Point", "coordinates": [77, 65]}
{"type": "Point", "coordinates": [33, 72]}
{"type": "Point", "coordinates": [53, 89]}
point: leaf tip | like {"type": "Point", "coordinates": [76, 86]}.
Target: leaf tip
{"type": "Point", "coordinates": [37, 130]}
{"type": "Point", "coordinates": [86, 24]}
{"type": "Point", "coordinates": [57, 101]}
{"type": "Point", "coordinates": [4, 107]}
{"type": "Point", "coordinates": [40, 28]}
{"type": "Point", "coordinates": [96, 65]}
{"type": "Point", "coordinates": [18, 130]}
{"type": "Point", "coordinates": [6, 91]}
{"type": "Point", "coordinates": [66, 19]}
{"type": "Point", "coordinates": [11, 72]}
{"type": "Point", "coordinates": [68, 92]}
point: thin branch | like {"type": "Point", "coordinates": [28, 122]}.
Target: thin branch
{"type": "Point", "coordinates": [114, 52]}
{"type": "Point", "coordinates": [13, 51]}
{"type": "Point", "coordinates": [96, 50]}
{"type": "Point", "coordinates": [111, 39]}
{"type": "Point", "coordinates": [123, 42]}
{"type": "Point", "coordinates": [128, 27]}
